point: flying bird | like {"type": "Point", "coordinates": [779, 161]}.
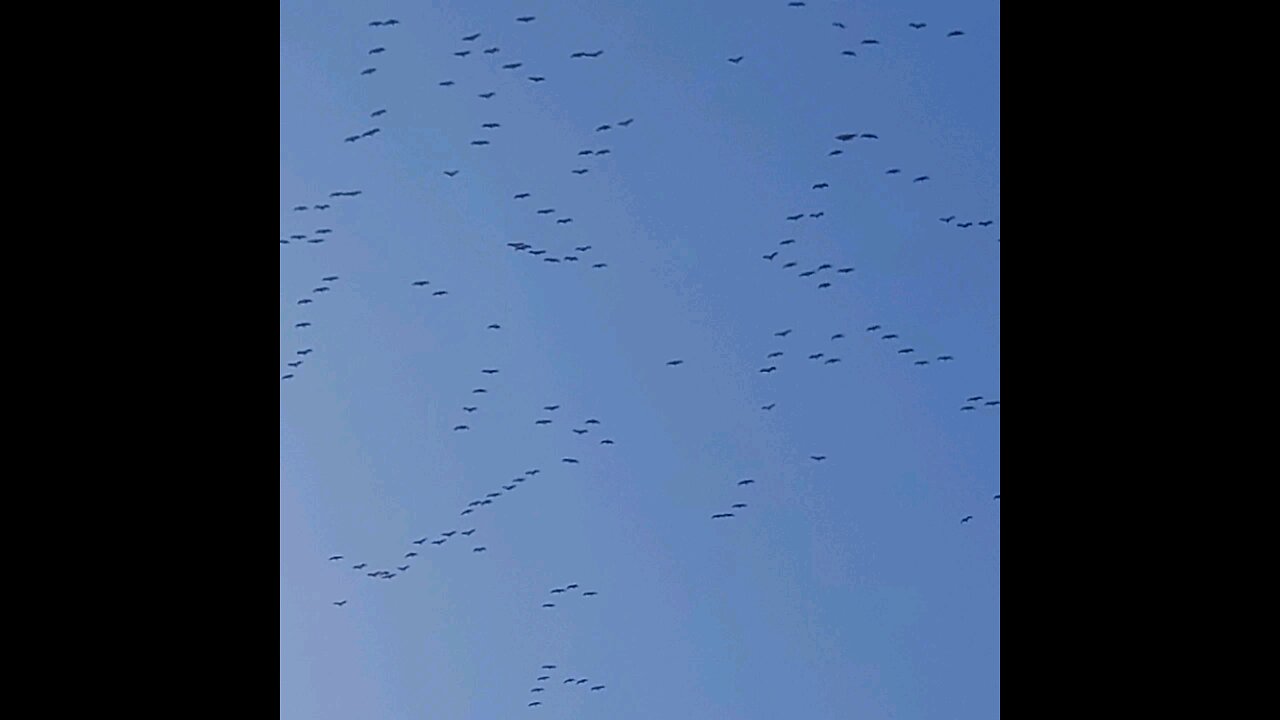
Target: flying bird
{"type": "Point", "coordinates": [922, 178]}
{"type": "Point", "coordinates": [490, 51]}
{"type": "Point", "coordinates": [991, 403]}
{"type": "Point", "coordinates": [818, 458]}
{"type": "Point", "coordinates": [945, 358]}
{"type": "Point", "coordinates": [736, 60]}
{"type": "Point", "coordinates": [821, 186]}
{"type": "Point", "coordinates": [377, 50]}
{"type": "Point", "coordinates": [746, 482]}
{"type": "Point", "coordinates": [461, 427]}
{"type": "Point", "coordinates": [955, 33]}
{"type": "Point", "coordinates": [590, 593]}
{"type": "Point", "coordinates": [479, 549]}
{"type": "Point", "coordinates": [845, 270]}
{"type": "Point", "coordinates": [771, 255]}
{"type": "Point", "coordinates": [870, 42]}
{"type": "Point", "coordinates": [718, 516]}
{"type": "Point", "coordinates": [837, 336]}
{"type": "Point", "coordinates": [783, 333]}
{"type": "Point", "coordinates": [536, 78]}
{"type": "Point", "coordinates": [490, 126]}
{"type": "Point", "coordinates": [468, 532]}
{"type": "Point", "coordinates": [890, 336]}
{"type": "Point", "coordinates": [997, 496]}
{"type": "Point", "coordinates": [892, 171]}
{"type": "Point", "coordinates": [579, 171]}
{"type": "Point", "coordinates": [469, 38]}
{"type": "Point", "coordinates": [948, 219]}
{"type": "Point", "coordinates": [846, 137]}
{"type": "Point", "coordinates": [463, 53]}
{"type": "Point", "coordinates": [793, 218]}
{"type": "Point", "coordinates": [769, 369]}
{"type": "Point", "coordinates": [965, 519]}
{"type": "Point", "coordinates": [673, 363]}
{"type": "Point", "coordinates": [302, 325]}
{"type": "Point", "coordinates": [835, 152]}
{"type": "Point", "coordinates": [451, 173]}
{"type": "Point", "coordinates": [774, 354]}
{"type": "Point", "coordinates": [368, 71]}
{"type": "Point", "coordinates": [335, 557]}
{"type": "Point", "coordinates": [985, 223]}
{"type": "Point", "coordinates": [446, 83]}
{"type": "Point", "coordinates": [916, 26]}
{"type": "Point", "coordinates": [486, 95]}
{"type": "Point", "coordinates": [870, 136]}
{"type": "Point", "coordinates": [470, 408]}
{"type": "Point", "coordinates": [904, 351]}
{"type": "Point", "coordinates": [287, 376]}
{"type": "Point", "coordinates": [361, 566]}
{"type": "Point", "coordinates": [831, 361]}
{"type": "Point", "coordinates": [597, 687]}
{"type": "Point", "coordinates": [838, 24]}
{"type": "Point", "coordinates": [922, 362]}
{"type": "Point", "coordinates": [739, 506]}
{"type": "Point", "coordinates": [964, 225]}
{"type": "Point", "coordinates": [340, 603]}
{"type": "Point", "coordinates": [571, 461]}
{"type": "Point", "coordinates": [548, 605]}
{"type": "Point", "coordinates": [438, 293]}
{"type": "Point", "coordinates": [526, 19]}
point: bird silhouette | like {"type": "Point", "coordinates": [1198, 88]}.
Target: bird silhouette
{"type": "Point", "coordinates": [770, 406]}
{"type": "Point", "coordinates": [479, 549]}
{"type": "Point", "coordinates": [985, 223]}
{"type": "Point", "coordinates": [831, 361]}
{"type": "Point", "coordinates": [975, 398]}
{"type": "Point", "coordinates": [451, 173]}
{"type": "Point", "coordinates": [997, 496]}
{"type": "Point", "coordinates": [769, 369]}
{"type": "Point", "coordinates": [490, 51]}
{"type": "Point", "coordinates": [548, 605]}
{"type": "Point", "coordinates": [486, 95]}
{"type": "Point", "coordinates": [948, 219]}
{"type": "Point", "coordinates": [746, 482]}
{"type": "Point", "coordinates": [340, 603]}
{"type": "Point", "coordinates": [967, 407]}
{"type": "Point", "coordinates": [526, 19]}
{"type": "Point", "coordinates": [719, 516]}
{"type": "Point", "coordinates": [922, 178]}
{"type": "Point", "coordinates": [820, 186]}
{"type": "Point", "coordinates": [536, 78]}
{"type": "Point", "coordinates": [361, 566]}
{"type": "Point", "coordinates": [463, 53]}
{"type": "Point", "coordinates": [287, 376]}
{"type": "Point", "coordinates": [470, 38]}
{"type": "Point", "coordinates": [793, 218]}
{"type": "Point", "coordinates": [739, 506]}
{"type": "Point", "coordinates": [571, 461]}
{"type": "Point", "coordinates": [955, 33]}
{"type": "Point", "coordinates": [870, 42]}
{"type": "Point", "coordinates": [890, 336]}
{"type": "Point", "coordinates": [965, 519]}
{"type": "Point", "coordinates": [945, 358]}
{"type": "Point", "coordinates": [905, 351]}
{"type": "Point", "coordinates": [991, 403]}
{"type": "Point", "coordinates": [818, 458]}
{"type": "Point", "coordinates": [469, 532]}
{"type": "Point", "coordinates": [736, 60]}
{"type": "Point", "coordinates": [916, 26]}
{"type": "Point", "coordinates": [964, 225]}
{"type": "Point", "coordinates": [461, 427]}
{"type": "Point", "coordinates": [775, 354]}
{"type": "Point", "coordinates": [590, 593]}
{"type": "Point", "coordinates": [838, 24]}
{"type": "Point", "coordinates": [673, 363]}
{"type": "Point", "coordinates": [597, 687]}
{"type": "Point", "coordinates": [335, 557]}
{"type": "Point", "coordinates": [892, 171]}
{"type": "Point", "coordinates": [368, 71]}
{"type": "Point", "coordinates": [377, 50]}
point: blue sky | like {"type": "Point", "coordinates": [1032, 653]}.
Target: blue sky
{"type": "Point", "coordinates": [847, 587]}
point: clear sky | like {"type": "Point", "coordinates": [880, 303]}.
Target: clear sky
{"type": "Point", "coordinates": [848, 588]}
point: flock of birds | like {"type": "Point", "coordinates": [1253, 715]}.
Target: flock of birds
{"type": "Point", "coordinates": [823, 275]}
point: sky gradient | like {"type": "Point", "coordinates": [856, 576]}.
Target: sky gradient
{"type": "Point", "coordinates": [847, 588]}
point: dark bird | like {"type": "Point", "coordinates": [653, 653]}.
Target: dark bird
{"type": "Point", "coordinates": [446, 83]}
{"type": "Point", "coordinates": [845, 270]}
{"type": "Point", "coordinates": [916, 26]}
{"type": "Point", "coordinates": [320, 207]}
{"type": "Point", "coordinates": [421, 283]}
{"type": "Point", "coordinates": [604, 127]}
{"type": "Point", "coordinates": [450, 173]}
{"type": "Point", "coordinates": [567, 681]}
{"type": "Point", "coordinates": [846, 137]}
{"type": "Point", "coordinates": [302, 325]}
{"type": "Point", "coordinates": [526, 18]}
{"type": "Point", "coordinates": [922, 178]}
{"type": "Point", "coordinates": [795, 4]}
{"type": "Point", "coordinates": [468, 532]}
{"type": "Point", "coordinates": [411, 554]}
{"type": "Point", "coordinates": [892, 171]}
{"type": "Point", "coordinates": [922, 362]}
{"type": "Point", "coordinates": [438, 293]}
{"type": "Point", "coordinates": [582, 248]}
{"type": "Point", "coordinates": [721, 515]}
{"type": "Point", "coordinates": [975, 398]}
{"type": "Point", "coordinates": [821, 186]}
{"type": "Point", "coordinates": [583, 680]}
{"type": "Point", "coordinates": [368, 71]}
{"type": "Point", "coordinates": [793, 218]}
{"type": "Point", "coordinates": [486, 95]}
{"type": "Point", "coordinates": [490, 126]}
{"type": "Point", "coordinates": [816, 356]}
{"type": "Point", "coordinates": [808, 273]}
{"type": "Point", "coordinates": [591, 421]}
{"type": "Point", "coordinates": [590, 593]}
{"type": "Point", "coordinates": [479, 391]}
{"type": "Point", "coordinates": [479, 549]}
{"type": "Point", "coordinates": [287, 376]}
{"type": "Point", "coordinates": [769, 369]}
{"type": "Point", "coordinates": [544, 677]}
{"type": "Point", "coordinates": [536, 78]}
{"type": "Point", "coordinates": [340, 603]}
{"type": "Point", "coordinates": [305, 352]}
{"type": "Point", "coordinates": [361, 566]}
{"type": "Point", "coordinates": [955, 33]}
{"type": "Point", "coordinates": [991, 403]}
{"type": "Point", "coordinates": [739, 506]}
{"type": "Point", "coordinates": [469, 38]}
{"type": "Point", "coordinates": [746, 482]}
{"type": "Point", "coordinates": [788, 241]}
{"type": "Point", "coordinates": [597, 266]}
{"type": "Point", "coordinates": [818, 458]}
{"type": "Point", "coordinates": [548, 667]}
{"type": "Point", "coordinates": [537, 689]}
{"type": "Point", "coordinates": [904, 351]}
{"type": "Point", "coordinates": [890, 336]}
{"type": "Point", "coordinates": [838, 24]}
{"type": "Point", "coordinates": [771, 255]}
{"type": "Point", "coordinates": [817, 214]}
{"type": "Point", "coordinates": [997, 497]}
{"type": "Point", "coordinates": [837, 336]}
{"type": "Point", "coordinates": [535, 702]}
{"type": "Point", "coordinates": [463, 53]}
{"type": "Point", "coordinates": [571, 461]}
{"type": "Point", "coordinates": [770, 406]}
{"type": "Point", "coordinates": [870, 42]}
{"type": "Point", "coordinates": [419, 541]}
{"type": "Point", "coordinates": [673, 363]}
{"type": "Point", "coordinates": [948, 219]}
{"type": "Point", "coordinates": [579, 171]}
{"type": "Point", "coordinates": [377, 50]}
{"type": "Point", "coordinates": [335, 557]}
{"type": "Point", "coordinates": [580, 432]}
{"type": "Point", "coordinates": [490, 51]}
{"type": "Point", "coordinates": [774, 354]}
{"type": "Point", "coordinates": [329, 278]}
{"type": "Point", "coordinates": [965, 519]}
{"type": "Point", "coordinates": [985, 223]}
{"type": "Point", "coordinates": [470, 408]}
{"type": "Point", "coordinates": [461, 427]}
{"type": "Point", "coordinates": [964, 225]}
{"type": "Point", "coordinates": [597, 687]}
{"type": "Point", "coordinates": [294, 364]}
{"type": "Point", "coordinates": [520, 196]}
{"type": "Point", "coordinates": [783, 333]}
{"type": "Point", "coordinates": [300, 208]}
{"type": "Point", "coordinates": [586, 152]}
{"type": "Point", "coordinates": [557, 591]}
{"type": "Point", "coordinates": [479, 142]}
{"type": "Point", "coordinates": [548, 605]}
{"type": "Point", "coordinates": [790, 265]}
{"type": "Point", "coordinates": [606, 442]}
{"type": "Point", "coordinates": [564, 221]}
{"type": "Point", "coordinates": [489, 371]}
{"type": "Point", "coordinates": [945, 358]}
{"type": "Point", "coordinates": [835, 152]}
{"type": "Point", "coordinates": [402, 568]}
{"type": "Point", "coordinates": [441, 541]}
{"type": "Point", "coordinates": [870, 136]}
{"type": "Point", "coordinates": [351, 138]}
{"type": "Point", "coordinates": [736, 60]}
{"type": "Point", "coordinates": [831, 361]}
